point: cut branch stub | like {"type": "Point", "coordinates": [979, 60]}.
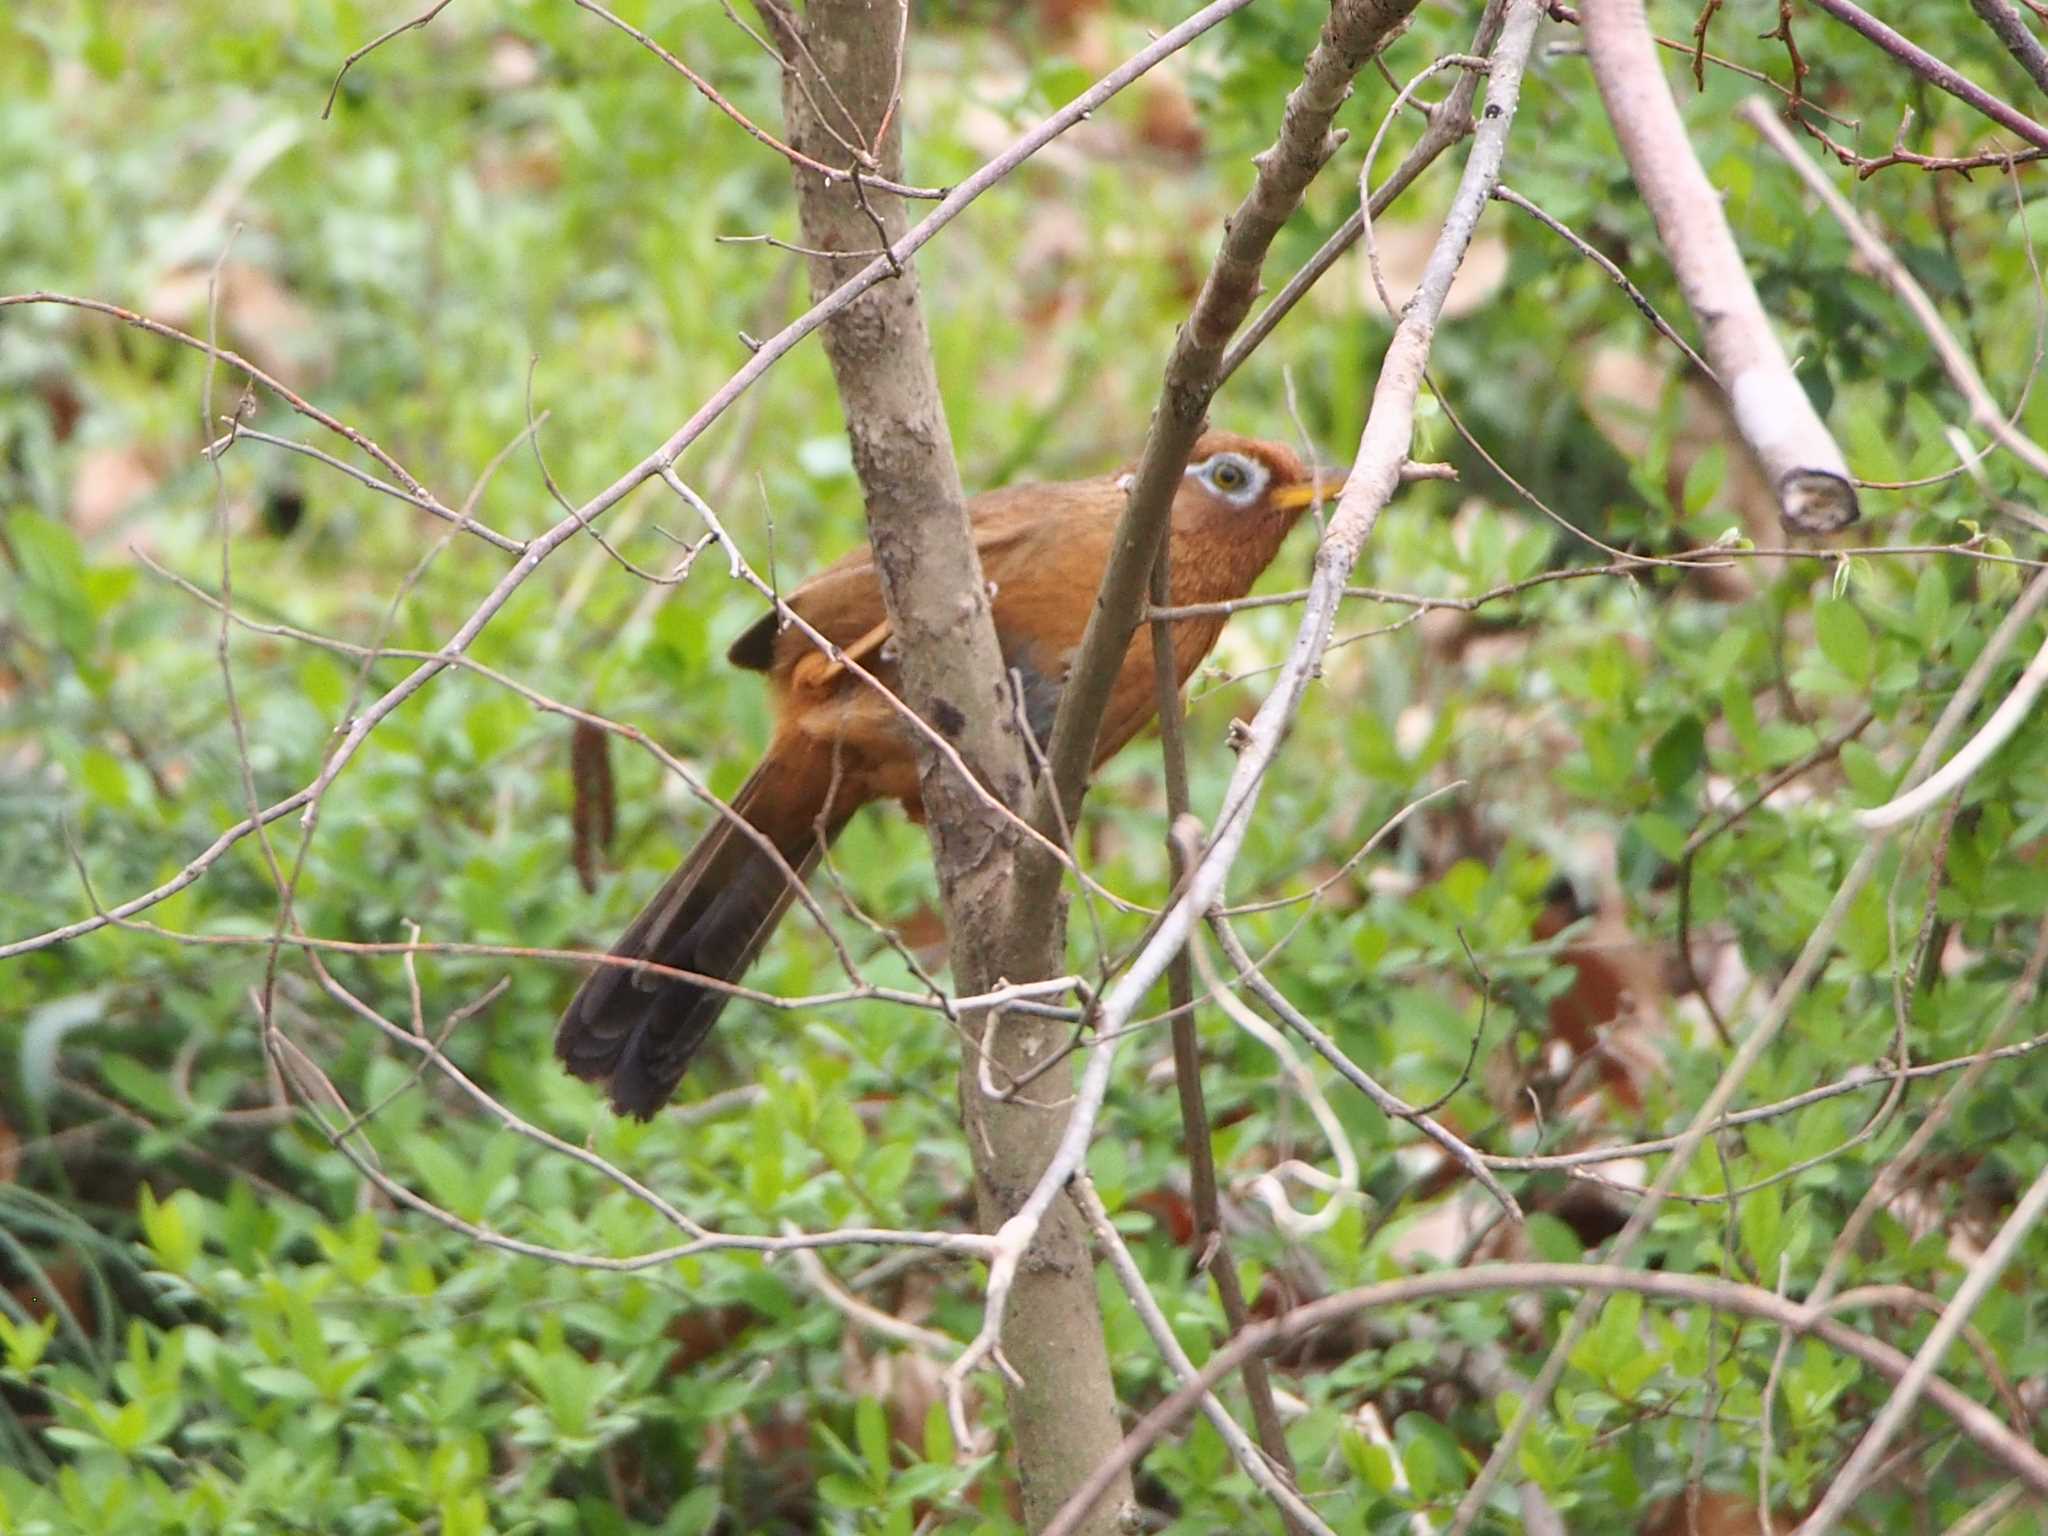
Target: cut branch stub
{"type": "Point", "coordinates": [1771, 410]}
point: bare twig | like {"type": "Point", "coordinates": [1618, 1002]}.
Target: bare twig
{"type": "Point", "coordinates": [372, 46]}
{"type": "Point", "coordinates": [865, 1314]}
{"type": "Point", "coordinates": [1269, 1185]}
{"type": "Point", "coordinates": [1987, 1515]}
{"type": "Point", "coordinates": [1979, 1424]}
{"type": "Point", "coordinates": [1936, 73]}
{"type": "Point", "coordinates": [539, 549]}
{"type": "Point", "coordinates": [1819, 945]}
{"type": "Point", "coordinates": [1247, 1455]}
{"type": "Point", "coordinates": [362, 477]}
{"type": "Point", "coordinates": [1304, 145]}
{"type": "Point", "coordinates": [1972, 756]}
{"type": "Point", "coordinates": [1391, 1104]}
{"type": "Point", "coordinates": [1849, 1482]}
{"type": "Point", "coordinates": [1708, 830]}
{"type": "Point", "coordinates": [2007, 717]}
{"type": "Point", "coordinates": [418, 494]}
{"type": "Point", "coordinates": [1196, 1142]}
{"type": "Point", "coordinates": [1955, 362]}
{"type": "Point", "coordinates": [2006, 25]}
{"type": "Point", "coordinates": [1566, 13]}
{"type": "Point", "coordinates": [1892, 1178]}
{"type": "Point", "coordinates": [1449, 121]}
{"type": "Point", "coordinates": [1384, 447]}
{"type": "Point", "coordinates": [709, 92]}
{"type": "Point", "coordinates": [1636, 296]}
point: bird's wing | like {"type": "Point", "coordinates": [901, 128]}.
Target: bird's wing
{"type": "Point", "coordinates": [843, 602]}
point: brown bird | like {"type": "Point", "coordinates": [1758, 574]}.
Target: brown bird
{"type": "Point", "coordinates": [838, 746]}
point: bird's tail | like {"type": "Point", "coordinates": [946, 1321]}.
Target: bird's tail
{"type": "Point", "coordinates": [636, 1031]}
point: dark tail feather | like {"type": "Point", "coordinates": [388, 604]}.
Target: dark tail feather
{"type": "Point", "coordinates": [635, 1031]}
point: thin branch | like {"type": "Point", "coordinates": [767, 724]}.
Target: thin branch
{"type": "Point", "coordinates": [2007, 717]}
{"type": "Point", "coordinates": [1305, 143]}
{"type": "Point", "coordinates": [372, 46]}
{"type": "Point", "coordinates": [1935, 72]}
{"type": "Point", "coordinates": [1849, 1482]}
{"type": "Point", "coordinates": [1269, 1185]}
{"type": "Point", "coordinates": [1390, 1104]}
{"type": "Point", "coordinates": [1293, 1509]}
{"type": "Point", "coordinates": [1711, 828]}
{"type": "Point", "coordinates": [1987, 1515]}
{"type": "Point", "coordinates": [426, 504]}
{"type": "Point", "coordinates": [1972, 756]}
{"type": "Point", "coordinates": [1636, 296]}
{"type": "Point", "coordinates": [539, 549]}
{"type": "Point", "coordinates": [1449, 121]}
{"type": "Point", "coordinates": [1706, 1120]}
{"type": "Point", "coordinates": [709, 92]}
{"type": "Point", "coordinates": [1955, 362]}
{"type": "Point", "coordinates": [1979, 1424]}
{"type": "Point", "coordinates": [423, 497]}
{"type": "Point", "coordinates": [865, 1314]}
{"type": "Point", "coordinates": [1384, 447]}
{"type": "Point", "coordinates": [1891, 1179]}
{"type": "Point", "coordinates": [2006, 25]}
{"type": "Point", "coordinates": [1569, 14]}
{"type": "Point", "coordinates": [1196, 1142]}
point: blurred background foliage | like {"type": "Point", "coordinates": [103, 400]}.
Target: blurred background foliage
{"type": "Point", "coordinates": [208, 1324]}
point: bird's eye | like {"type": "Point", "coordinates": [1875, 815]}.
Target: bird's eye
{"type": "Point", "coordinates": [1228, 475]}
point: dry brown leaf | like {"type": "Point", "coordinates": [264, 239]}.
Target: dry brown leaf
{"type": "Point", "coordinates": [1404, 251]}
{"type": "Point", "coordinates": [514, 64]}
{"type": "Point", "coordinates": [109, 482]}
{"type": "Point", "coordinates": [1718, 1514]}
{"type": "Point", "coordinates": [259, 318]}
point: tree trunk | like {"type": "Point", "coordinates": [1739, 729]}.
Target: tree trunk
{"type": "Point", "coordinates": [841, 90]}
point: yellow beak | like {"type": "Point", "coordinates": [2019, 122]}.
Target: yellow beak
{"type": "Point", "coordinates": [1323, 486]}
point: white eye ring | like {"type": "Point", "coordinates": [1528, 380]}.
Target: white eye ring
{"type": "Point", "coordinates": [1234, 477]}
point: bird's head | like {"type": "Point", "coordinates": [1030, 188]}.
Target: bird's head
{"type": "Point", "coordinates": [1243, 475]}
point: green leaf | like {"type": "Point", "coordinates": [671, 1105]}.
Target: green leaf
{"type": "Point", "coordinates": [764, 1162]}
{"type": "Point", "coordinates": [1552, 1241]}
{"type": "Point", "coordinates": [1738, 709]}
{"type": "Point", "coordinates": [1678, 754]}
{"type": "Point", "coordinates": [171, 1228]}
{"type": "Point", "coordinates": [25, 1342]}
{"type": "Point", "coordinates": [1370, 1461]}
{"type": "Point", "coordinates": [1869, 779]}
{"type": "Point", "coordinates": [105, 778]}
{"type": "Point", "coordinates": [54, 601]}
{"type": "Point", "coordinates": [844, 1492]}
{"type": "Point", "coordinates": [938, 1434]}
{"type": "Point", "coordinates": [871, 1434]}
{"type": "Point", "coordinates": [1931, 606]}
{"type": "Point", "coordinates": [1663, 834]}
{"type": "Point", "coordinates": [1703, 480]}
{"type": "Point", "coordinates": [1997, 581]}
{"type": "Point", "coordinates": [281, 1381]}
{"type": "Point", "coordinates": [1430, 1454]}
{"type": "Point", "coordinates": [103, 53]}
{"type": "Point", "coordinates": [839, 1134]}
{"type": "Point", "coordinates": [1844, 639]}
{"type": "Point", "coordinates": [1762, 1224]}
